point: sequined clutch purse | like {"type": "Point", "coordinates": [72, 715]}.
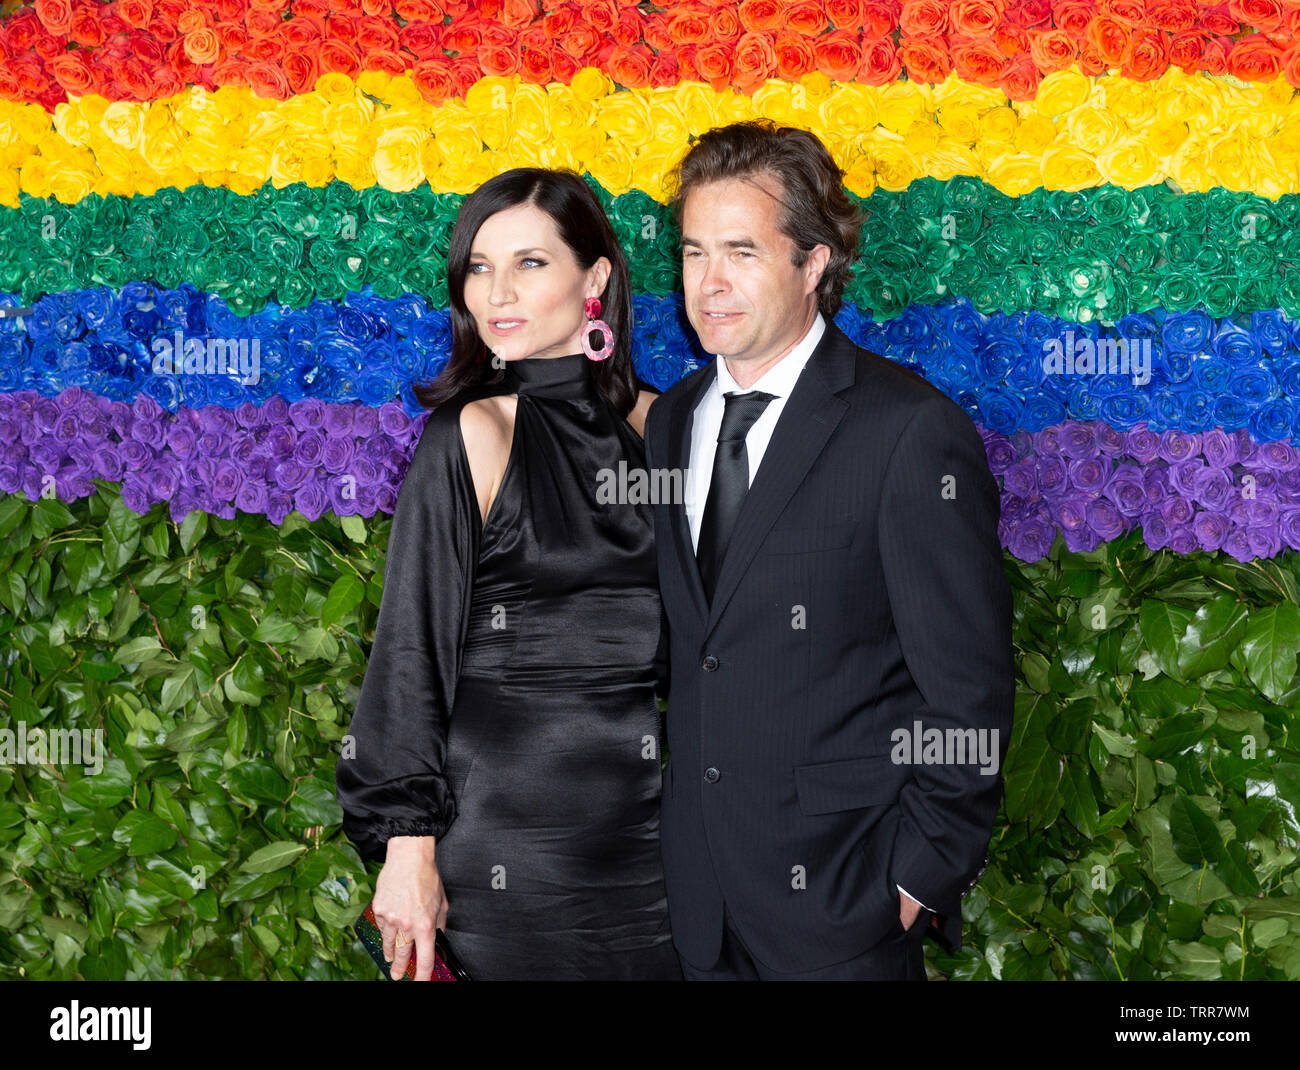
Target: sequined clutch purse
{"type": "Point", "coordinates": [446, 967]}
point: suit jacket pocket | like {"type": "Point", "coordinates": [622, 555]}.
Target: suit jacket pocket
{"type": "Point", "coordinates": [807, 540]}
{"type": "Point", "coordinates": [851, 784]}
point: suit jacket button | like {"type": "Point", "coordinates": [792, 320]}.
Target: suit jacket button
{"type": "Point", "coordinates": [711, 775]}
{"type": "Point", "coordinates": [709, 663]}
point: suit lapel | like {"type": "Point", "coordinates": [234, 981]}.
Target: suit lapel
{"type": "Point", "coordinates": [811, 414]}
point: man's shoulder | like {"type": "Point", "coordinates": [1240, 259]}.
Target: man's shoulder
{"type": "Point", "coordinates": [661, 405]}
{"type": "Point", "coordinates": [888, 385]}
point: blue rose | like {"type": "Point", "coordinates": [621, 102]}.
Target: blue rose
{"type": "Point", "coordinates": [1212, 374]}
{"type": "Point", "coordinates": [1198, 412]}
{"type": "Point", "coordinates": [1040, 411]}
{"type": "Point", "coordinates": [1122, 410]}
{"type": "Point", "coordinates": [1270, 327]}
{"type": "Point", "coordinates": [1187, 332]}
{"type": "Point", "coordinates": [1272, 420]}
{"type": "Point", "coordinates": [1230, 413]}
{"type": "Point", "coordinates": [97, 307]}
{"type": "Point", "coordinates": [1235, 345]}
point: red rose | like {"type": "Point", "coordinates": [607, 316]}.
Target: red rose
{"type": "Point", "coordinates": [230, 72]}
{"type": "Point", "coordinates": [73, 74]}
{"type": "Point", "coordinates": [265, 50]}
{"type": "Point", "coordinates": [147, 50]}
{"type": "Point", "coordinates": [233, 36]}
{"type": "Point", "coordinates": [880, 62]}
{"type": "Point", "coordinates": [498, 60]}
{"type": "Point", "coordinates": [1264, 15]}
{"type": "Point", "coordinates": [663, 71]}
{"type": "Point", "coordinates": [84, 27]}
{"type": "Point", "coordinates": [341, 28]}
{"type": "Point", "coordinates": [375, 33]}
{"type": "Point", "coordinates": [565, 66]}
{"type": "Point", "coordinates": [1255, 58]}
{"type": "Point", "coordinates": [1052, 50]}
{"type": "Point", "coordinates": [1020, 79]}
{"type": "Point", "coordinates": [1172, 16]}
{"type": "Point", "coordinates": [535, 66]}
{"type": "Point", "coordinates": [794, 55]}
{"type": "Point", "coordinates": [760, 16]}
{"type": "Point", "coordinates": [422, 39]}
{"type": "Point", "coordinates": [229, 10]}
{"type": "Point", "coordinates": [161, 27]}
{"type": "Point", "coordinates": [318, 9]}
{"type": "Point", "coordinates": [501, 36]}
{"type": "Point", "coordinates": [518, 13]}
{"type": "Point", "coordinates": [923, 18]}
{"type": "Point", "coordinates": [926, 60]}
{"type": "Point", "coordinates": [1217, 22]}
{"type": "Point", "coordinates": [1110, 38]}
{"type": "Point", "coordinates": [135, 79]}
{"type": "Point", "coordinates": [755, 61]}
{"type": "Point", "coordinates": [135, 13]}
{"type": "Point", "coordinates": [878, 20]}
{"type": "Point", "coordinates": [338, 57]}
{"type": "Point", "coordinates": [1029, 13]}
{"type": "Point", "coordinates": [1292, 66]}
{"type": "Point", "coordinates": [418, 10]}
{"type": "Point", "coordinates": [300, 67]}
{"type": "Point", "coordinates": [839, 55]}
{"type": "Point", "coordinates": [19, 31]}
{"type": "Point", "coordinates": [630, 66]}
{"type": "Point", "coordinates": [54, 14]}
{"type": "Point", "coordinates": [580, 43]}
{"type": "Point", "coordinates": [464, 73]}
{"type": "Point", "coordinates": [299, 32]}
{"type": "Point", "coordinates": [714, 63]}
{"type": "Point", "coordinates": [166, 83]}
{"type": "Point", "coordinates": [387, 60]}
{"type": "Point", "coordinates": [1186, 50]}
{"type": "Point", "coordinates": [977, 60]}
{"type": "Point", "coordinates": [112, 25]}
{"type": "Point", "coordinates": [627, 31]}
{"type": "Point", "coordinates": [1214, 59]}
{"type": "Point", "coordinates": [806, 17]}
{"type": "Point", "coordinates": [1147, 56]}
{"type": "Point", "coordinates": [1011, 41]}
{"type": "Point", "coordinates": [973, 18]}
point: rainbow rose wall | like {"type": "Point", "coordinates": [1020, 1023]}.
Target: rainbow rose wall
{"type": "Point", "coordinates": [223, 240]}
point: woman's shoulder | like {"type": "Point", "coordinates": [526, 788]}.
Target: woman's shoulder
{"type": "Point", "coordinates": [644, 399]}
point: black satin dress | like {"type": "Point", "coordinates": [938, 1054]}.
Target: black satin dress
{"type": "Point", "coordinates": [508, 706]}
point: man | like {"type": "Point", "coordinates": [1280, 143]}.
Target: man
{"type": "Point", "coordinates": [834, 599]}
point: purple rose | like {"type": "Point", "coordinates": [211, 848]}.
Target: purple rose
{"type": "Point", "coordinates": [1156, 482]}
{"type": "Point", "coordinates": [135, 455]}
{"type": "Point", "coordinates": [108, 465]}
{"type": "Point", "coordinates": [366, 499]}
{"type": "Point", "coordinates": [1176, 446]}
{"type": "Point", "coordinates": [386, 499]}
{"type": "Point", "coordinates": [1021, 480]}
{"type": "Point", "coordinates": [365, 421]}
{"type": "Point", "coordinates": [216, 420]}
{"type": "Point", "coordinates": [279, 442]}
{"type": "Point", "coordinates": [1218, 448]}
{"type": "Point", "coordinates": [1288, 485]}
{"type": "Point", "coordinates": [135, 495]}
{"type": "Point", "coordinates": [276, 410]}
{"type": "Point", "coordinates": [1031, 540]}
{"type": "Point", "coordinates": [290, 475]}
{"type": "Point", "coordinates": [1089, 474]}
{"type": "Point", "coordinates": [250, 415]}
{"type": "Point", "coordinates": [338, 420]}
{"type": "Point", "coordinates": [1185, 476]}
{"type": "Point", "coordinates": [1052, 475]}
{"type": "Point", "coordinates": [1237, 546]}
{"type": "Point", "coordinates": [1276, 455]}
{"type": "Point", "coordinates": [1289, 527]}
{"type": "Point", "coordinates": [1213, 489]}
{"type": "Point", "coordinates": [45, 414]}
{"type": "Point", "coordinates": [310, 500]}
{"type": "Point", "coordinates": [251, 497]}
{"type": "Point", "coordinates": [1142, 445]}
{"type": "Point", "coordinates": [1264, 542]}
{"type": "Point", "coordinates": [1000, 453]}
{"type": "Point", "coordinates": [1176, 511]}
{"type": "Point", "coordinates": [279, 504]}
{"type": "Point", "coordinates": [1125, 489]}
{"type": "Point", "coordinates": [1210, 528]}
{"type": "Point", "coordinates": [1104, 518]}
{"type": "Point", "coordinates": [368, 475]}
{"type": "Point", "coordinates": [164, 479]}
{"type": "Point", "coordinates": [1182, 541]}
{"type": "Point", "coordinates": [393, 420]}
{"type": "Point", "coordinates": [226, 483]}
{"type": "Point", "coordinates": [1078, 441]}
{"type": "Point", "coordinates": [337, 454]}
{"type": "Point", "coordinates": [309, 448]}
{"type": "Point", "coordinates": [242, 447]}
{"type": "Point", "coordinates": [306, 415]}
{"type": "Point", "coordinates": [1110, 441]}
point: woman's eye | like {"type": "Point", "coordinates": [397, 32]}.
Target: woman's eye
{"type": "Point", "coordinates": [533, 260]}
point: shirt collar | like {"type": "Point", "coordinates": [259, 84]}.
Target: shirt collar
{"type": "Point", "coordinates": [779, 379]}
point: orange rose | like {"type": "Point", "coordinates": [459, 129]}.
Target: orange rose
{"type": "Point", "coordinates": [228, 10]}
{"type": "Point", "coordinates": [1020, 80]}
{"type": "Point", "coordinates": [112, 24]}
{"type": "Point", "coordinates": [263, 24]}
{"type": "Point", "coordinates": [341, 28]}
{"type": "Point", "coordinates": [973, 18]}
{"type": "Point", "coordinates": [877, 21]}
{"type": "Point", "coordinates": [1264, 15]}
{"type": "Point", "coordinates": [925, 60]}
{"type": "Point", "coordinates": [1091, 62]}
{"type": "Point", "coordinates": [135, 79]}
{"type": "Point", "coordinates": [1030, 13]}
{"type": "Point", "coordinates": [518, 13]}
{"type": "Point", "coordinates": [760, 16]}
{"type": "Point", "coordinates": [232, 35]}
{"type": "Point", "coordinates": [302, 31]}
{"type": "Point", "coordinates": [1110, 37]}
{"type": "Point", "coordinates": [564, 66]}
{"type": "Point", "coordinates": [373, 34]}
{"type": "Point", "coordinates": [54, 14]}
{"type": "Point", "coordinates": [1147, 57]}
{"type": "Point", "coordinates": [794, 55]}
{"type": "Point", "coordinates": [1074, 16]}
{"type": "Point", "coordinates": [535, 37]}
{"type": "Point", "coordinates": [202, 47]}
{"type": "Point", "coordinates": [725, 25]}
{"type": "Point", "coordinates": [839, 55]}
{"type": "Point", "coordinates": [1293, 66]}
{"type": "Point", "coordinates": [337, 57]}
{"type": "Point", "coordinates": [656, 32]}
{"type": "Point", "coordinates": [387, 60]}
{"type": "Point", "coordinates": [977, 61]}
{"type": "Point", "coordinates": [135, 13]}
{"type": "Point", "coordinates": [1052, 50]}
{"type": "Point", "coordinates": [73, 74]}
{"type": "Point", "coordinates": [265, 49]}
{"type": "Point", "coordinates": [713, 62]}
{"type": "Point", "coordinates": [581, 43]}
{"type": "Point", "coordinates": [502, 36]}
{"type": "Point", "coordinates": [755, 60]}
{"type": "Point", "coordinates": [465, 72]}
{"type": "Point", "coordinates": [268, 79]}
{"type": "Point", "coordinates": [1172, 16]}
{"type": "Point", "coordinates": [166, 83]}
{"type": "Point", "coordinates": [19, 32]}
{"type": "Point", "coordinates": [462, 39]}
{"type": "Point", "coordinates": [535, 66]}
{"type": "Point", "coordinates": [630, 67]}
{"type": "Point", "coordinates": [432, 78]}
{"type": "Point", "coordinates": [1293, 20]}
{"type": "Point", "coordinates": [880, 62]}
{"type": "Point", "coordinates": [807, 17]}
{"type": "Point", "coordinates": [498, 60]}
{"type": "Point", "coordinates": [1186, 50]}
{"type": "Point", "coordinates": [422, 39]}
{"type": "Point", "coordinates": [313, 8]}
{"type": "Point", "coordinates": [147, 50]}
{"type": "Point", "coordinates": [1012, 41]}
{"type": "Point", "coordinates": [849, 14]}
{"type": "Point", "coordinates": [923, 18]}
{"type": "Point", "coordinates": [230, 72]}
{"type": "Point", "coordinates": [663, 71]}
{"type": "Point", "coordinates": [1255, 58]}
{"type": "Point", "coordinates": [300, 67]}
{"type": "Point", "coordinates": [268, 5]}
{"type": "Point", "coordinates": [84, 28]}
{"type": "Point", "coordinates": [558, 22]}
{"type": "Point", "coordinates": [418, 10]}
{"type": "Point", "coordinates": [1132, 13]}
{"type": "Point", "coordinates": [600, 15]}
{"type": "Point", "coordinates": [1214, 59]}
{"type": "Point", "coordinates": [1217, 22]}
{"type": "Point", "coordinates": [627, 31]}
{"type": "Point", "coordinates": [689, 27]}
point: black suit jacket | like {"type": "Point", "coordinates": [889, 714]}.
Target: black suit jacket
{"type": "Point", "coordinates": [862, 591]}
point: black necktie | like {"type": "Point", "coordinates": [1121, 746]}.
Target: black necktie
{"type": "Point", "coordinates": [729, 485]}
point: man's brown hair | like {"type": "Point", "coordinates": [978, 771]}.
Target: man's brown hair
{"type": "Point", "coordinates": [815, 209]}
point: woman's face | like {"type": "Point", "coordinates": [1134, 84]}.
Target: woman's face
{"type": "Point", "coordinates": [524, 287]}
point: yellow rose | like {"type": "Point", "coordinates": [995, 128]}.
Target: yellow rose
{"type": "Point", "coordinates": [1235, 160]}
{"type": "Point", "coordinates": [163, 149]}
{"type": "Point", "coordinates": [1127, 99]}
{"type": "Point", "coordinates": [626, 117]}
{"type": "Point", "coordinates": [1130, 163]}
{"type": "Point", "coordinates": [374, 82]}
{"type": "Point", "coordinates": [950, 158]}
{"type": "Point", "coordinates": [397, 159]}
{"type": "Point", "coordinates": [818, 86]}
{"type": "Point", "coordinates": [336, 87]}
{"type": "Point", "coordinates": [585, 144]}
{"type": "Point", "coordinates": [356, 169]}
{"type": "Point", "coordinates": [1284, 146]}
{"type": "Point", "coordinates": [1200, 102]}
{"type": "Point", "coordinates": [898, 106]}
{"type": "Point", "coordinates": [894, 166]}
{"type": "Point", "coordinates": [1065, 167]}
{"type": "Point", "coordinates": [123, 124]}
{"type": "Point", "coordinates": [34, 177]}
{"type": "Point", "coordinates": [848, 112]}
{"type": "Point", "coordinates": [669, 123]}
{"type": "Point", "coordinates": [530, 114]}
{"type": "Point", "coordinates": [1061, 92]}
{"type": "Point", "coordinates": [1163, 136]}
{"type": "Point", "coordinates": [590, 84]}
{"type": "Point", "coordinates": [612, 166]}
{"type": "Point", "coordinates": [734, 107]}
{"type": "Point", "coordinates": [566, 112]}
{"type": "Point", "coordinates": [999, 124]}
{"type": "Point", "coordinates": [860, 178]}
{"type": "Point", "coordinates": [1035, 134]}
{"type": "Point", "coordinates": [649, 171]}
{"type": "Point", "coordinates": [775, 101]}
{"type": "Point", "coordinates": [1092, 129]}
{"type": "Point", "coordinates": [9, 187]}
{"type": "Point", "coordinates": [287, 160]}
{"type": "Point", "coordinates": [118, 165]}
{"type": "Point", "coordinates": [457, 140]}
{"type": "Point", "coordinates": [1275, 96]}
{"type": "Point", "coordinates": [347, 121]}
{"type": "Point", "coordinates": [1187, 165]}
{"type": "Point", "coordinates": [31, 123]}
{"type": "Point", "coordinates": [960, 122]}
{"type": "Point", "coordinates": [698, 105]}
{"type": "Point", "coordinates": [1015, 173]}
{"type": "Point", "coordinates": [402, 93]}
{"type": "Point", "coordinates": [490, 94]}
{"type": "Point", "coordinates": [70, 123]}
{"type": "Point", "coordinates": [244, 185]}
{"type": "Point", "coordinates": [921, 137]}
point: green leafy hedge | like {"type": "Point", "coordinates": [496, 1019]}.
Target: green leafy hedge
{"type": "Point", "coordinates": [1149, 827]}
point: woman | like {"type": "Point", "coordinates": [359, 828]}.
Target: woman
{"type": "Point", "coordinates": [506, 764]}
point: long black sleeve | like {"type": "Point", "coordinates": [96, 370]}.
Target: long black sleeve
{"type": "Point", "coordinates": [392, 783]}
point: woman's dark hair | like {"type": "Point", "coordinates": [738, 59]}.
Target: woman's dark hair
{"type": "Point", "coordinates": [814, 207]}
{"type": "Point", "coordinates": [582, 224]}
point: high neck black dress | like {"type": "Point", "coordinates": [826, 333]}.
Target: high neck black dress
{"type": "Point", "coordinates": [508, 706]}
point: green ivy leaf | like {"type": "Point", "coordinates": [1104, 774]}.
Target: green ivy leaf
{"type": "Point", "coordinates": [344, 595]}
{"type": "Point", "coordinates": [273, 856]}
{"type": "Point", "coordinates": [1270, 645]}
{"type": "Point", "coordinates": [1195, 836]}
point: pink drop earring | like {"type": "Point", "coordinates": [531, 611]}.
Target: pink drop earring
{"type": "Point", "coordinates": [592, 309]}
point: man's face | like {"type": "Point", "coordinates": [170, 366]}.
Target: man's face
{"type": "Point", "coordinates": [735, 261]}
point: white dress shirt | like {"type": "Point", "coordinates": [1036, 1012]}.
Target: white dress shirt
{"type": "Point", "coordinates": [706, 423]}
